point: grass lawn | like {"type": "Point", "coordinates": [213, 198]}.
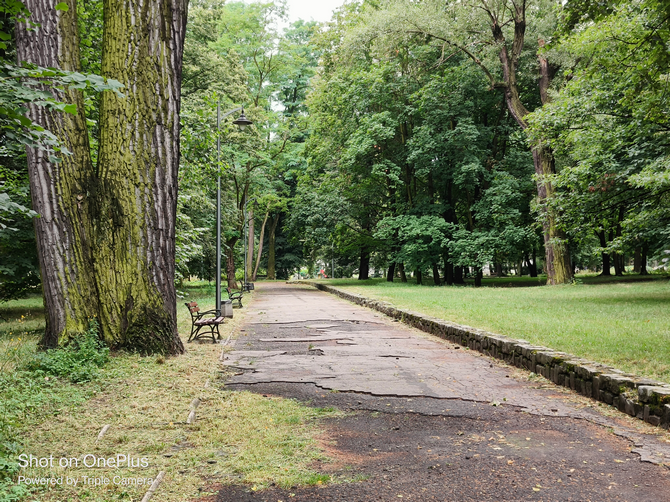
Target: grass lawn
{"type": "Point", "coordinates": [238, 436]}
{"type": "Point", "coordinates": [623, 324]}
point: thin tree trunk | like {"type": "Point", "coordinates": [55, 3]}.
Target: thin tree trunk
{"type": "Point", "coordinates": [271, 249]}
{"type": "Point", "coordinates": [419, 277]}
{"type": "Point", "coordinates": [136, 194]}
{"type": "Point", "coordinates": [231, 280]}
{"type": "Point", "coordinates": [637, 260]}
{"type": "Point", "coordinates": [364, 264]}
{"type": "Point", "coordinates": [401, 271]}
{"type": "Point", "coordinates": [533, 270]}
{"type": "Point", "coordinates": [260, 246]}
{"type": "Point", "coordinates": [619, 262]}
{"type": "Point", "coordinates": [60, 192]}
{"type": "Point", "coordinates": [436, 275]}
{"type": "Point", "coordinates": [478, 278]}
{"type": "Point", "coordinates": [605, 256]}
{"type": "Point", "coordinates": [391, 272]}
{"type": "Point", "coordinates": [448, 270]}
{"type": "Point", "coordinates": [643, 261]}
{"type": "Point", "coordinates": [458, 275]}
{"type": "Point", "coordinates": [250, 242]}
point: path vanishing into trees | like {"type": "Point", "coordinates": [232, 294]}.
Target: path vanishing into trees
{"type": "Point", "coordinates": [429, 420]}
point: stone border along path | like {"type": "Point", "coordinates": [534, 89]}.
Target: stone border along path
{"type": "Point", "coordinates": [643, 398]}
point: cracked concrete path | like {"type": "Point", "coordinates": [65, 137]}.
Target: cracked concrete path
{"type": "Point", "coordinates": [298, 338]}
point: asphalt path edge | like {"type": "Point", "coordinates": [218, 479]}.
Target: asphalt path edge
{"type": "Point", "coordinates": [639, 397]}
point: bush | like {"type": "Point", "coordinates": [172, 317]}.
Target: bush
{"type": "Point", "coordinates": [79, 361]}
{"type": "Point", "coordinates": [30, 388]}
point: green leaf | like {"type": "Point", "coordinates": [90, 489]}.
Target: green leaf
{"type": "Point", "coordinates": [62, 6]}
{"type": "Point", "coordinates": [71, 108]}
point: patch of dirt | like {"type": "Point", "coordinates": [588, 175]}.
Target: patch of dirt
{"type": "Point", "coordinates": [460, 451]}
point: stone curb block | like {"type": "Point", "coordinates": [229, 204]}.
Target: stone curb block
{"type": "Point", "coordinates": [646, 399]}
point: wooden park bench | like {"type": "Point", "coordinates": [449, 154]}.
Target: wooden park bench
{"type": "Point", "coordinates": [203, 324]}
{"type": "Point", "coordinates": [235, 296]}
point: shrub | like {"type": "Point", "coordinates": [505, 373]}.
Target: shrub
{"type": "Point", "coordinates": [79, 361]}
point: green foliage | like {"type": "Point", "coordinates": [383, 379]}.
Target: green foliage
{"type": "Point", "coordinates": [19, 268]}
{"type": "Point", "coordinates": [78, 361]}
{"type": "Point", "coordinates": [21, 86]}
{"type": "Point", "coordinates": [608, 124]}
{"type": "Point", "coordinates": [415, 154]}
{"type": "Point", "coordinates": [35, 385]}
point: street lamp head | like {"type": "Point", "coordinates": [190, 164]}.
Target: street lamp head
{"type": "Point", "coordinates": [242, 122]}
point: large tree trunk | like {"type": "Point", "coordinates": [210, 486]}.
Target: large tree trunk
{"type": "Point", "coordinates": [60, 192]}
{"type": "Point", "coordinates": [136, 193]}
{"type": "Point", "coordinates": [419, 277]}
{"type": "Point", "coordinates": [364, 264]}
{"type": "Point", "coordinates": [557, 255]}
{"type": "Point", "coordinates": [260, 246]}
{"type": "Point", "coordinates": [272, 275]}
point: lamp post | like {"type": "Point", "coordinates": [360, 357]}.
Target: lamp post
{"type": "Point", "coordinates": [242, 122]}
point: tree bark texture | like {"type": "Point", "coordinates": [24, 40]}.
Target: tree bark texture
{"type": "Point", "coordinates": [106, 236]}
{"type": "Point", "coordinates": [60, 191]}
{"type": "Point", "coordinates": [557, 255]}
{"type": "Point", "coordinates": [136, 191]}
{"type": "Point", "coordinates": [272, 275]}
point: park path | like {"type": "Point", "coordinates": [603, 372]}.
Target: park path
{"type": "Point", "coordinates": [302, 343]}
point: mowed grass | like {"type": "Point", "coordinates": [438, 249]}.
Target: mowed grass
{"type": "Point", "coordinates": [623, 324]}
{"type": "Point", "coordinates": [238, 437]}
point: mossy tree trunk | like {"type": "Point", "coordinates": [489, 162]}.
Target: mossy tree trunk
{"type": "Point", "coordinates": [60, 191]}
{"type": "Point", "coordinates": [557, 264]}
{"type": "Point", "coordinates": [106, 234]}
{"type": "Point", "coordinates": [136, 190]}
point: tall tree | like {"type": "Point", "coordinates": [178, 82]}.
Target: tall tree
{"type": "Point", "coordinates": [60, 189]}
{"type": "Point", "coordinates": [486, 30]}
{"type": "Point", "coordinates": [136, 187]}
{"type": "Point", "coordinates": [106, 234]}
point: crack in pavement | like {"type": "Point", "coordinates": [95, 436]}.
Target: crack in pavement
{"type": "Point", "coordinates": [389, 359]}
